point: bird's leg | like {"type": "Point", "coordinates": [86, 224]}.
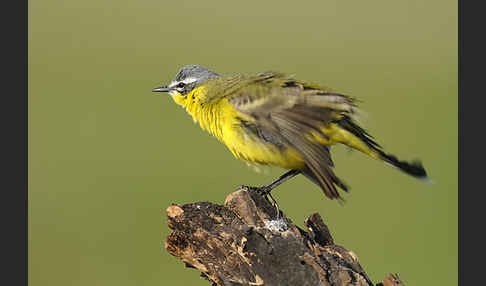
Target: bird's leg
{"type": "Point", "coordinates": [267, 189]}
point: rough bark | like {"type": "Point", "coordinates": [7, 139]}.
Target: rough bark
{"type": "Point", "coordinates": [245, 242]}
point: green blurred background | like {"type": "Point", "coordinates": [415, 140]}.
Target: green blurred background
{"type": "Point", "coordinates": [107, 156]}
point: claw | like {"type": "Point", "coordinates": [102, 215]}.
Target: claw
{"type": "Point", "coordinates": [266, 193]}
{"type": "Point", "coordinates": [265, 190]}
{"type": "Point", "coordinates": [274, 203]}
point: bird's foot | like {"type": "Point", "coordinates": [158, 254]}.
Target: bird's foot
{"type": "Point", "coordinates": [266, 193]}
{"type": "Point", "coordinates": [263, 191]}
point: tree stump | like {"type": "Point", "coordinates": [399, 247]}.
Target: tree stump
{"type": "Point", "coordinates": [245, 242]}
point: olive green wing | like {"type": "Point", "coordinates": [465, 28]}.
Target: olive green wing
{"type": "Point", "coordinates": [286, 112]}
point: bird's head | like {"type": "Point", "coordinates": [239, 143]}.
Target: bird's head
{"type": "Point", "coordinates": [187, 79]}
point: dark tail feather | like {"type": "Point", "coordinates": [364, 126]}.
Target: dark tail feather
{"type": "Point", "coordinates": [414, 169]}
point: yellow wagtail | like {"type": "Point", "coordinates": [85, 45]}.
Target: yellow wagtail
{"type": "Point", "coordinates": [273, 119]}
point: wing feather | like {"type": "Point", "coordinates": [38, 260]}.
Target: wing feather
{"type": "Point", "coordinates": [288, 110]}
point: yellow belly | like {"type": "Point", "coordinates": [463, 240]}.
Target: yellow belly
{"type": "Point", "coordinates": [223, 121]}
{"type": "Point", "coordinates": [247, 147]}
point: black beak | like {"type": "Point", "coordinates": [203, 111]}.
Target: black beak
{"type": "Point", "coordinates": [161, 89]}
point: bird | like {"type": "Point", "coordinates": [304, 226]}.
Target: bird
{"type": "Point", "coordinates": [271, 118]}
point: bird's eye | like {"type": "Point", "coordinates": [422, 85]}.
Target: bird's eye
{"type": "Point", "coordinates": [181, 85]}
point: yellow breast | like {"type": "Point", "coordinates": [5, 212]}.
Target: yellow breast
{"type": "Point", "coordinates": [219, 118]}
{"type": "Point", "coordinates": [246, 146]}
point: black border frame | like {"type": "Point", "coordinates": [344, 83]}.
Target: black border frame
{"type": "Point", "coordinates": [471, 119]}
{"type": "Point", "coordinates": [14, 118]}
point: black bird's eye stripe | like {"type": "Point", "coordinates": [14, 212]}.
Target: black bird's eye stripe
{"type": "Point", "coordinates": [181, 85]}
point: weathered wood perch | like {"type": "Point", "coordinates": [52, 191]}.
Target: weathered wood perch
{"type": "Point", "coordinates": [245, 243]}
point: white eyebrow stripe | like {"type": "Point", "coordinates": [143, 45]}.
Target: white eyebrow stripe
{"type": "Point", "coordinates": [186, 81]}
{"type": "Point", "coordinates": [189, 80]}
